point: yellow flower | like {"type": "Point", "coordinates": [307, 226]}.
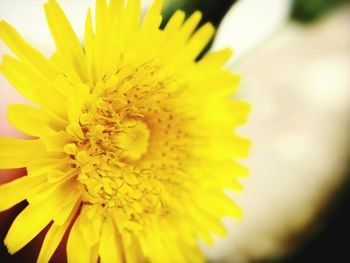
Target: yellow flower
{"type": "Point", "coordinates": [133, 139]}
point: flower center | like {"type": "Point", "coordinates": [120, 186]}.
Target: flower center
{"type": "Point", "coordinates": [122, 141]}
{"type": "Point", "coordinates": [133, 140]}
{"type": "Point", "coordinates": [115, 137]}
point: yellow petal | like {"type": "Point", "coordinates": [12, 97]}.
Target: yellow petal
{"type": "Point", "coordinates": [178, 41]}
{"type": "Point", "coordinates": [68, 205]}
{"type": "Point", "coordinates": [153, 17]}
{"type": "Point", "coordinates": [116, 13]}
{"type": "Point", "coordinates": [110, 248]}
{"type": "Point", "coordinates": [241, 110]}
{"type": "Point", "coordinates": [33, 219]}
{"type": "Point", "coordinates": [54, 237]}
{"type": "Point", "coordinates": [66, 40]}
{"type": "Point", "coordinates": [190, 25]}
{"type": "Point", "coordinates": [15, 153]}
{"type": "Point", "coordinates": [77, 249]}
{"type": "Point", "coordinates": [68, 72]}
{"type": "Point", "coordinates": [199, 40]}
{"type": "Point", "coordinates": [27, 225]}
{"type": "Point", "coordinates": [132, 250]}
{"type": "Point", "coordinates": [90, 231]}
{"type": "Point", "coordinates": [116, 8]}
{"type": "Point", "coordinates": [33, 121]}
{"type": "Point", "coordinates": [57, 141]}
{"type": "Point", "coordinates": [33, 85]}
{"type": "Point", "coordinates": [133, 17]}
{"type": "Point", "coordinates": [151, 240]}
{"type": "Point", "coordinates": [221, 203]}
{"type": "Point", "coordinates": [47, 189]}
{"type": "Point", "coordinates": [42, 165]}
{"type": "Point", "coordinates": [174, 22]}
{"type": "Point", "coordinates": [207, 220]}
{"type": "Point", "coordinates": [16, 191]}
{"type": "Point", "coordinates": [193, 253]}
{"type": "Point", "coordinates": [102, 33]}
{"type": "Point", "coordinates": [216, 59]}
{"type": "Point", "coordinates": [90, 48]}
{"type": "Point", "coordinates": [26, 52]}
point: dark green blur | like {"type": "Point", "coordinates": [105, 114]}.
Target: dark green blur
{"type": "Point", "coordinates": [310, 10]}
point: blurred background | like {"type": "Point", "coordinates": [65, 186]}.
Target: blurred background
{"type": "Point", "coordinates": [294, 58]}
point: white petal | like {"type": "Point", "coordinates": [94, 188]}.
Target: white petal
{"type": "Point", "coordinates": [249, 22]}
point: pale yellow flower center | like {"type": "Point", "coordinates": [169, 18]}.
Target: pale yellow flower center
{"type": "Point", "coordinates": [133, 140]}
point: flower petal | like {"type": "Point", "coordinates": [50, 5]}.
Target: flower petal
{"type": "Point", "coordinates": [21, 17]}
{"type": "Point", "coordinates": [76, 240]}
{"type": "Point", "coordinates": [132, 18]}
{"type": "Point", "coordinates": [90, 47]}
{"type": "Point", "coordinates": [15, 153]}
{"type": "Point", "coordinates": [33, 121]}
{"type": "Point", "coordinates": [153, 17]}
{"type": "Point", "coordinates": [54, 237]}
{"type": "Point", "coordinates": [26, 52]}
{"type": "Point", "coordinates": [17, 190]}
{"type": "Point", "coordinates": [33, 219]}
{"type": "Point", "coordinates": [68, 205]}
{"type": "Point", "coordinates": [249, 22]}
{"type": "Point", "coordinates": [34, 86]}
{"type": "Point", "coordinates": [66, 40]}
{"type": "Point", "coordinates": [217, 59]}
{"type": "Point", "coordinates": [199, 40]}
{"type": "Point", "coordinates": [110, 247]}
{"type": "Point", "coordinates": [26, 227]}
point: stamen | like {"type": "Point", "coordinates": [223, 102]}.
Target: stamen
{"type": "Point", "coordinates": [127, 153]}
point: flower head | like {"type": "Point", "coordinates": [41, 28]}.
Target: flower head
{"type": "Point", "coordinates": [133, 140]}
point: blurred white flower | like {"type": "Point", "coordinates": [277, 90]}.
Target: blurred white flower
{"type": "Point", "coordinates": [249, 23]}
{"type": "Point", "coordinates": [298, 83]}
